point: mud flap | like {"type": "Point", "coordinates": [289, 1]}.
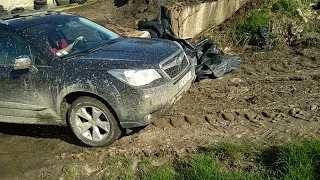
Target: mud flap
{"type": "Point", "coordinates": [211, 62]}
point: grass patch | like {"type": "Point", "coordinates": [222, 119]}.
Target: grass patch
{"type": "Point", "coordinates": [149, 168]}
{"type": "Point", "coordinates": [298, 161]}
{"type": "Point", "coordinates": [277, 19]}
{"type": "Point", "coordinates": [314, 26]}
{"type": "Point", "coordinates": [288, 7]}
{"type": "Point", "coordinates": [119, 168]}
{"type": "Point", "coordinates": [204, 166]}
{"type": "Point", "coordinates": [248, 31]}
{"type": "Point", "coordinates": [71, 171]}
{"type": "Point", "coordinates": [226, 161]}
{"type": "Point", "coordinates": [165, 172]}
{"type": "Point", "coordinates": [254, 22]}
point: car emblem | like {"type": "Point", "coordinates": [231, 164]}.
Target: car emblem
{"type": "Point", "coordinates": [178, 61]}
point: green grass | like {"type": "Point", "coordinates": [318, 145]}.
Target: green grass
{"type": "Point", "coordinates": [225, 161]}
{"type": "Point", "coordinates": [299, 160]}
{"type": "Point", "coordinates": [248, 30]}
{"type": "Point", "coordinates": [71, 171]}
{"type": "Point", "coordinates": [314, 26]}
{"type": "Point", "coordinates": [204, 166]}
{"type": "Point", "coordinates": [254, 22]}
{"type": "Point", "coordinates": [288, 7]}
{"type": "Point", "coordinates": [165, 172]}
{"type": "Point", "coordinates": [119, 168]}
{"type": "Point", "coordinates": [269, 15]}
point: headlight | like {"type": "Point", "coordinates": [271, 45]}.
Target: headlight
{"type": "Point", "coordinates": [136, 77]}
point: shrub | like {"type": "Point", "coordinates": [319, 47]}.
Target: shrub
{"type": "Point", "coordinates": [288, 7]}
{"type": "Point", "coordinates": [254, 22]}
{"type": "Point", "coordinates": [248, 30]}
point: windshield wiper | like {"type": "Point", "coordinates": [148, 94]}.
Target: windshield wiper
{"type": "Point", "coordinates": [93, 49]}
{"type": "Point", "coordinates": [97, 47]}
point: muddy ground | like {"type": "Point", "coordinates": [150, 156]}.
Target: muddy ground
{"type": "Point", "coordinates": [272, 98]}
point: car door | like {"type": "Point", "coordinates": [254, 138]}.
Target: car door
{"type": "Point", "coordinates": [26, 95]}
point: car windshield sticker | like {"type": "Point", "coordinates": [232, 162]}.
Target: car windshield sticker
{"type": "Point", "coordinates": [65, 52]}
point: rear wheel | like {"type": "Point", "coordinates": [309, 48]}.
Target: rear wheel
{"type": "Point", "coordinates": [62, 2]}
{"type": "Point", "coordinates": [3, 12]}
{"type": "Point", "coordinates": [92, 122]}
{"type": "Point", "coordinates": [78, 1]}
{"type": "Point", "coordinates": [40, 2]}
{"type": "Point", "coordinates": [17, 10]}
{"type": "Point", "coordinates": [39, 7]}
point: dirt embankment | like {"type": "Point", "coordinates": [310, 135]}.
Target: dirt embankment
{"type": "Point", "coordinates": [126, 16]}
{"type": "Point", "coordinates": [119, 19]}
{"type": "Point", "coordinates": [273, 97]}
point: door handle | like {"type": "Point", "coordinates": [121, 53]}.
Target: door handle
{"type": "Point", "coordinates": [23, 72]}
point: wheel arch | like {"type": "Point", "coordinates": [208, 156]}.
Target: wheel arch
{"type": "Point", "coordinates": [68, 99]}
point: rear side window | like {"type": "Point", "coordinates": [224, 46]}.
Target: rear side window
{"type": "Point", "coordinates": [13, 45]}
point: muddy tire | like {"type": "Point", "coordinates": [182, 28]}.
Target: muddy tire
{"type": "Point", "coordinates": [38, 7]}
{"type": "Point", "coordinates": [78, 1]}
{"type": "Point", "coordinates": [92, 122]}
{"type": "Point", "coordinates": [40, 2]}
{"type": "Point", "coordinates": [3, 13]}
{"type": "Point", "coordinates": [120, 3]}
{"type": "Point", "coordinates": [17, 10]}
{"type": "Point", "coordinates": [82, 1]}
{"type": "Point", "coordinates": [62, 2]}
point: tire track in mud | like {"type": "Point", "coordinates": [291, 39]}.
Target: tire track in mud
{"type": "Point", "coordinates": [280, 128]}
{"type": "Point", "coordinates": [175, 140]}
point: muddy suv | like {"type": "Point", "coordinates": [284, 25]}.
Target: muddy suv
{"type": "Point", "coordinates": [63, 69]}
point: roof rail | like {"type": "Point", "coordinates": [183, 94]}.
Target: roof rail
{"type": "Point", "coordinates": [25, 14]}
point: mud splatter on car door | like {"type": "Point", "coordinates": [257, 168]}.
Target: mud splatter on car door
{"type": "Point", "coordinates": [26, 86]}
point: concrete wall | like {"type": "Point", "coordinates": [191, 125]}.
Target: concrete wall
{"type": "Point", "coordinates": [10, 4]}
{"type": "Point", "coordinates": [190, 21]}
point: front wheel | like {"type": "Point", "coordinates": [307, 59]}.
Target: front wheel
{"type": "Point", "coordinates": [92, 122]}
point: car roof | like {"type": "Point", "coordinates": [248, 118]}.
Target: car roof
{"type": "Point", "coordinates": [31, 18]}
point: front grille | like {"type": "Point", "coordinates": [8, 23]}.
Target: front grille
{"type": "Point", "coordinates": [174, 66]}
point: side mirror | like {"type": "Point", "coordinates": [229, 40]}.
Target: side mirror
{"type": "Point", "coordinates": [21, 63]}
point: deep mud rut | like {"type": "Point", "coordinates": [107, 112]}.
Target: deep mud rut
{"type": "Point", "coordinates": [274, 97]}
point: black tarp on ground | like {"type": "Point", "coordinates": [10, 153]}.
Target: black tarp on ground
{"type": "Point", "coordinates": [210, 61]}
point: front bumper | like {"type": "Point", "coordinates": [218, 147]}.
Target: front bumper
{"type": "Point", "coordinates": [142, 106]}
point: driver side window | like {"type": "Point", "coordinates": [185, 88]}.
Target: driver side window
{"type": "Point", "coordinates": [75, 29]}
{"type": "Point", "coordinates": [13, 45]}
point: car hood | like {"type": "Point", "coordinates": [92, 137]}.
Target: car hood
{"type": "Point", "coordinates": [135, 49]}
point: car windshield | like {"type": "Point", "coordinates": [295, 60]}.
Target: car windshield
{"type": "Point", "coordinates": [71, 36]}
